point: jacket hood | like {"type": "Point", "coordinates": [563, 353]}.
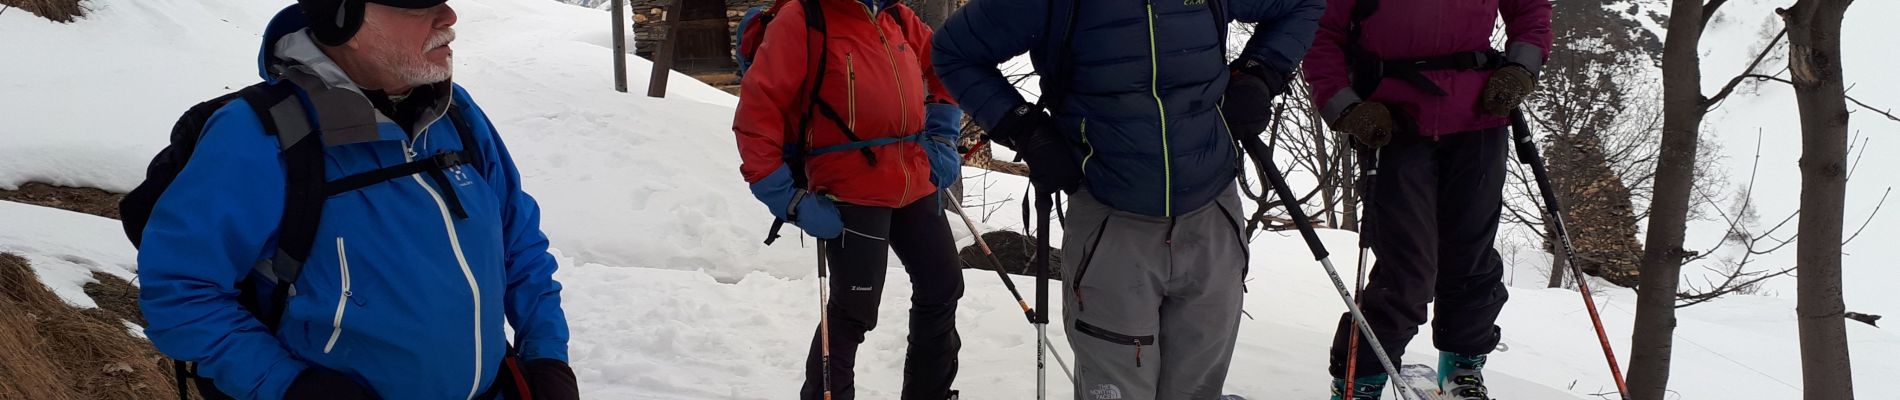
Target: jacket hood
{"type": "Point", "coordinates": [290, 20]}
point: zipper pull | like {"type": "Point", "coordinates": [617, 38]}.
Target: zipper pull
{"type": "Point", "coordinates": [1078, 298]}
{"type": "Point", "coordinates": [1137, 353]}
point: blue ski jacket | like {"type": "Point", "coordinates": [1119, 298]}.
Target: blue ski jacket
{"type": "Point", "coordinates": [1142, 107]}
{"type": "Point", "coordinates": [396, 293]}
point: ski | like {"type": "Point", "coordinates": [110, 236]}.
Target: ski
{"type": "Point", "coordinates": [1422, 380]}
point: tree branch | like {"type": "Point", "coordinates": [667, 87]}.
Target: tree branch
{"type": "Point", "coordinates": [1712, 102]}
{"type": "Point", "coordinates": [1884, 113]}
{"type": "Point", "coordinates": [1708, 11]}
{"type": "Point", "coordinates": [1870, 217]}
{"type": "Point", "coordinates": [1729, 286]}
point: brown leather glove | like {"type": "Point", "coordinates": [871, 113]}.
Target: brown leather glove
{"type": "Point", "coordinates": [1368, 122]}
{"type": "Point", "coordinates": [1508, 87]}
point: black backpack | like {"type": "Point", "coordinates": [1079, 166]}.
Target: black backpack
{"type": "Point", "coordinates": [282, 113]}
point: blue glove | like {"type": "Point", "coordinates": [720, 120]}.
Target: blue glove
{"type": "Point", "coordinates": [942, 123]}
{"type": "Point", "coordinates": [815, 213]}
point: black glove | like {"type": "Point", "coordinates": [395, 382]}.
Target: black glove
{"type": "Point", "coordinates": [319, 383]}
{"type": "Point", "coordinates": [1031, 133]}
{"type": "Point", "coordinates": [1250, 91]}
{"type": "Point", "coordinates": [551, 379]}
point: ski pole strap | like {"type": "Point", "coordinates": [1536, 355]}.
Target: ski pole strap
{"type": "Point", "coordinates": [865, 145]}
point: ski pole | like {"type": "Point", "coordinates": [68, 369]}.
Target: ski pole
{"type": "Point", "coordinates": [1264, 161]}
{"type": "Point", "coordinates": [1359, 279]}
{"type": "Point", "coordinates": [1527, 154]}
{"type": "Point", "coordinates": [1028, 312]}
{"type": "Point", "coordinates": [1044, 202]}
{"type": "Point", "coordinates": [824, 320]}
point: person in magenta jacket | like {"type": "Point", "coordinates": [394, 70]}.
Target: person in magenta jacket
{"type": "Point", "coordinates": [1420, 86]}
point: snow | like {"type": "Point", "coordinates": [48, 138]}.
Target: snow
{"type": "Point", "coordinates": [65, 258]}
{"type": "Point", "coordinates": [670, 295]}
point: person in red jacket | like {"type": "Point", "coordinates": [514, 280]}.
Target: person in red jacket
{"type": "Point", "coordinates": [1419, 85]}
{"type": "Point", "coordinates": [859, 164]}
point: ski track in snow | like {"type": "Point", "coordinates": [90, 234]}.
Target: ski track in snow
{"type": "Point", "coordinates": [670, 295]}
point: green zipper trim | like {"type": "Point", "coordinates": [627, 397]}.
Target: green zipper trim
{"type": "Point", "coordinates": [1085, 143]}
{"type": "Point", "coordinates": [1219, 109]}
{"type": "Point", "coordinates": [1154, 87]}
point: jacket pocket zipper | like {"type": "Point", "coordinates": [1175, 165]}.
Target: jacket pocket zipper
{"type": "Point", "coordinates": [1088, 256]}
{"type": "Point", "coordinates": [343, 295]}
{"type": "Point", "coordinates": [1112, 337]}
{"type": "Point", "coordinates": [851, 90]}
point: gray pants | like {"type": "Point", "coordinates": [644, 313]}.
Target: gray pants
{"type": "Point", "coordinates": [1152, 304]}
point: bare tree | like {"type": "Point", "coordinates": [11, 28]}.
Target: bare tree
{"type": "Point", "coordinates": [1683, 110]}
{"type": "Point", "coordinates": [1814, 55]}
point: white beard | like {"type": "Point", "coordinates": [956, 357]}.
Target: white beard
{"type": "Point", "coordinates": [412, 68]}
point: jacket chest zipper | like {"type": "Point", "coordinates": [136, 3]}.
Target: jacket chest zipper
{"type": "Point", "coordinates": [1154, 88]}
{"type": "Point", "coordinates": [455, 246]}
{"type": "Point", "coordinates": [898, 81]}
{"type": "Point", "coordinates": [851, 90]}
{"type": "Point", "coordinates": [343, 294]}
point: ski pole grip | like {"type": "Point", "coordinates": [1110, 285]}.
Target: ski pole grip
{"type": "Point", "coordinates": [1264, 158]}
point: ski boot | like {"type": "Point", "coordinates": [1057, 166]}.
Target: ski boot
{"type": "Point", "coordinates": [1461, 377]}
{"type": "Point", "coordinates": [1367, 387]}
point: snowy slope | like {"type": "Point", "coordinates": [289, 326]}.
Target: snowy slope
{"type": "Point", "coordinates": [669, 294]}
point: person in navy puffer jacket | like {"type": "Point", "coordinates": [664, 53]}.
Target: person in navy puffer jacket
{"type": "Point", "coordinates": [399, 298]}
{"type": "Point", "coordinates": [1131, 123]}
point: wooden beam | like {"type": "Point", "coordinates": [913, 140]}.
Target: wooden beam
{"type": "Point", "coordinates": [663, 56]}
{"type": "Point", "coordinates": [620, 45]}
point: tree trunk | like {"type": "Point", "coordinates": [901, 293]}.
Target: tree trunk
{"type": "Point", "coordinates": [1654, 335]}
{"type": "Point", "coordinates": [1814, 47]}
{"type": "Point", "coordinates": [1558, 260]}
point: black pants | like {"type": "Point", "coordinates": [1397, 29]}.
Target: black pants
{"type": "Point", "coordinates": [1432, 218]}
{"type": "Point", "coordinates": [920, 236]}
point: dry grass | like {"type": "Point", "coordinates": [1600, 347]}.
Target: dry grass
{"type": "Point", "coordinates": [64, 11]}
{"type": "Point", "coordinates": [91, 354]}
{"type": "Point", "coordinates": [75, 199]}
{"type": "Point", "coordinates": [27, 371]}
{"type": "Point", "coordinates": [116, 297]}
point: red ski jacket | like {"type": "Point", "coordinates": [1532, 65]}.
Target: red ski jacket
{"type": "Point", "coordinates": [877, 77]}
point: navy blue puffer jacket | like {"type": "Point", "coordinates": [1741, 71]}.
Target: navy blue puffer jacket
{"type": "Point", "coordinates": [1143, 109]}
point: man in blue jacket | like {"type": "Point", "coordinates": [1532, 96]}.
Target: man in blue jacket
{"type": "Point", "coordinates": [406, 287]}
{"type": "Point", "coordinates": [1131, 123]}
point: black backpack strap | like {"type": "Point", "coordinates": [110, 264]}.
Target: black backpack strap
{"type": "Point", "coordinates": [1364, 69]}
{"type": "Point", "coordinates": [283, 116]}
{"type": "Point", "coordinates": [471, 153]}
{"type": "Point", "coordinates": [815, 22]}
{"type": "Point", "coordinates": [434, 166]}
